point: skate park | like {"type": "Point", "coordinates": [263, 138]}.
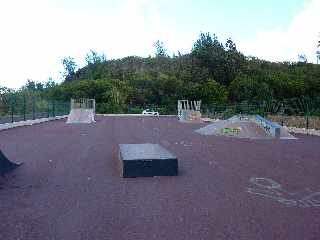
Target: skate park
{"type": "Point", "coordinates": [70, 185]}
{"type": "Point", "coordinates": [160, 120]}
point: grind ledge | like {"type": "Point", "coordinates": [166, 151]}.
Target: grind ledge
{"type": "Point", "coordinates": [146, 160]}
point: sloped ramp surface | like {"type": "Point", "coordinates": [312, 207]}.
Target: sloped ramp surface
{"type": "Point", "coordinates": [6, 165]}
{"type": "Point", "coordinates": [214, 128]}
{"type": "Point", "coordinates": [81, 116]}
{"type": "Point", "coordinates": [241, 128]}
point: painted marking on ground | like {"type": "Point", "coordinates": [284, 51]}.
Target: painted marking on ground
{"type": "Point", "coordinates": [268, 188]}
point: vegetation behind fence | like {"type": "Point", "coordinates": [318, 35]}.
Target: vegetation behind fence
{"type": "Point", "coordinates": [14, 108]}
{"type": "Point", "coordinates": [295, 112]}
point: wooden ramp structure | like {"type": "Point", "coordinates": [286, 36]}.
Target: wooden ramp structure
{"type": "Point", "coordinates": [189, 111]}
{"type": "Point", "coordinates": [82, 111]}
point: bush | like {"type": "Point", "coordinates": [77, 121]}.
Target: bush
{"type": "Point", "coordinates": [105, 108]}
{"type": "Point", "coordinates": [135, 110]}
{"type": "Point", "coordinates": [228, 113]}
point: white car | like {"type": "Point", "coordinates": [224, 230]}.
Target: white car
{"type": "Point", "coordinates": [150, 112]}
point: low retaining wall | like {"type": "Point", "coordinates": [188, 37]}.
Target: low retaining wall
{"type": "Point", "coordinates": [313, 132]}
{"type": "Point", "coordinates": [297, 121]}
{"type": "Point", "coordinates": [131, 115]}
{"type": "Point", "coordinates": [29, 122]}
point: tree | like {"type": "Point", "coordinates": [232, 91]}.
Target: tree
{"type": "Point", "coordinates": [223, 63]}
{"type": "Point", "coordinates": [249, 88]}
{"type": "Point", "coordinates": [230, 45]}
{"type": "Point", "coordinates": [211, 92]}
{"type": "Point", "coordinates": [214, 72]}
{"type": "Point", "coordinates": [5, 90]}
{"type": "Point", "coordinates": [50, 83]}
{"type": "Point", "coordinates": [94, 57]}
{"type": "Point", "coordinates": [205, 41]}
{"type": "Point", "coordinates": [69, 66]}
{"type": "Point", "coordinates": [39, 86]}
{"type": "Point", "coordinates": [160, 50]}
{"type": "Point", "coordinates": [96, 65]}
{"type": "Point", "coordinates": [302, 58]}
{"type": "Point", "coordinates": [30, 85]}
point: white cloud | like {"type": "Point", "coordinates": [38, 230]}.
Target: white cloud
{"type": "Point", "coordinates": [285, 44]}
{"type": "Point", "coordinates": [36, 34]}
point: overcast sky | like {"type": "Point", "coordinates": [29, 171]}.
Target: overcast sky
{"type": "Point", "coordinates": [36, 34]}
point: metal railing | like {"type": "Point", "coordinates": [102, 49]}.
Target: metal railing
{"type": "Point", "coordinates": [83, 103]}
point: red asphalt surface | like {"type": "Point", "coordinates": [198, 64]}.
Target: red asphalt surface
{"type": "Point", "coordinates": [69, 185]}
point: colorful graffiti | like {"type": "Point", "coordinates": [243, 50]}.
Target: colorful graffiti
{"type": "Point", "coordinates": [231, 130]}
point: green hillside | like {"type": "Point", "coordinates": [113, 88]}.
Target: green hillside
{"type": "Point", "coordinates": [213, 72]}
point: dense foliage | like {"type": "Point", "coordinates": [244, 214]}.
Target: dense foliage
{"type": "Point", "coordinates": [212, 71]}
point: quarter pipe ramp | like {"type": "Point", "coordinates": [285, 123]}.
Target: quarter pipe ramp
{"type": "Point", "coordinates": [6, 165]}
{"type": "Point", "coordinates": [80, 115]}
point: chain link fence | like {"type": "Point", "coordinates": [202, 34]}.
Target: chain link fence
{"type": "Point", "coordinates": [296, 112]}
{"type": "Point", "coordinates": [15, 108]}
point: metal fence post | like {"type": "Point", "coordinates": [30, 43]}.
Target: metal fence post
{"type": "Point", "coordinates": [33, 108]}
{"type": "Point", "coordinates": [12, 108]}
{"type": "Point", "coordinates": [48, 108]}
{"type": "Point", "coordinates": [53, 109]}
{"type": "Point", "coordinates": [24, 107]}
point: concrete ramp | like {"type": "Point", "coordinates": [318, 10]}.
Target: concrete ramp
{"type": "Point", "coordinates": [253, 127]}
{"type": "Point", "coordinates": [81, 115]}
{"type": "Point", "coordinates": [6, 165]}
{"type": "Point", "coordinates": [240, 129]}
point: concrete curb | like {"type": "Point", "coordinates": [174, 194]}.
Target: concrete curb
{"type": "Point", "coordinates": [313, 132]}
{"type": "Point", "coordinates": [133, 115]}
{"type": "Point", "coordinates": [29, 122]}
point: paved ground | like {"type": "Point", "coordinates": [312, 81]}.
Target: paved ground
{"type": "Point", "coordinates": [69, 187]}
